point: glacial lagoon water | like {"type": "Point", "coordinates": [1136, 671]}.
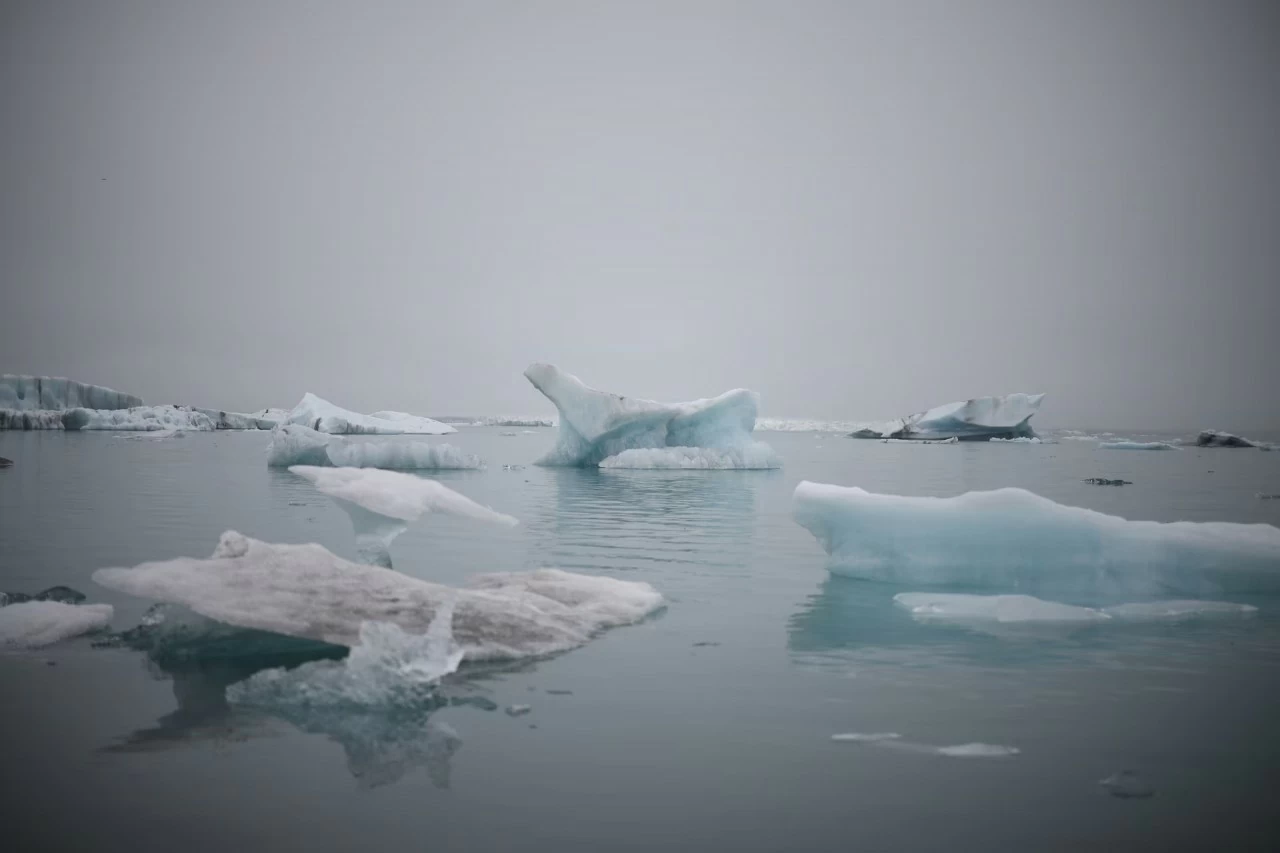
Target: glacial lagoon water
{"type": "Point", "coordinates": [706, 727]}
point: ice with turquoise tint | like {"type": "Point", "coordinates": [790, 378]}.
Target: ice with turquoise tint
{"type": "Point", "coordinates": [1013, 540]}
{"type": "Point", "coordinates": [597, 427]}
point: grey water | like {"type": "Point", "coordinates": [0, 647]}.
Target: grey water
{"type": "Point", "coordinates": [706, 727]}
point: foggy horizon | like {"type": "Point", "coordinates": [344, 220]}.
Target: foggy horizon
{"type": "Point", "coordinates": [857, 210]}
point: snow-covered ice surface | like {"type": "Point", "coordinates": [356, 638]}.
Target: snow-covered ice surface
{"type": "Point", "coordinates": [1136, 445]}
{"type": "Point", "coordinates": [32, 624]}
{"type": "Point", "coordinates": [396, 495]}
{"type": "Point", "coordinates": [755, 455]}
{"type": "Point", "coordinates": [53, 393]}
{"type": "Point", "coordinates": [242, 421]}
{"type": "Point", "coordinates": [293, 444]}
{"type": "Point", "coordinates": [306, 591]}
{"type": "Point", "coordinates": [144, 418]}
{"type": "Point", "coordinates": [595, 425]}
{"type": "Point", "coordinates": [323, 416]}
{"type": "Point", "coordinates": [977, 419]}
{"type": "Point", "coordinates": [1014, 539]}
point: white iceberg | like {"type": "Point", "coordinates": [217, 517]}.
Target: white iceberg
{"type": "Point", "coordinates": [755, 455]}
{"type": "Point", "coordinates": [979, 419]}
{"type": "Point", "coordinates": [1136, 445]}
{"type": "Point", "coordinates": [396, 495]}
{"type": "Point", "coordinates": [242, 421]}
{"type": "Point", "coordinates": [595, 425]}
{"type": "Point", "coordinates": [292, 444]}
{"type": "Point", "coordinates": [32, 624]}
{"type": "Point", "coordinates": [1014, 539]}
{"type": "Point", "coordinates": [893, 741]}
{"type": "Point", "coordinates": [308, 592]}
{"type": "Point", "coordinates": [323, 416]}
{"type": "Point", "coordinates": [141, 418]}
{"type": "Point", "coordinates": [52, 393]}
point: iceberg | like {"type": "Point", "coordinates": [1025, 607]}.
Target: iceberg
{"type": "Point", "coordinates": [1214, 438]}
{"type": "Point", "coordinates": [50, 393]}
{"type": "Point", "coordinates": [381, 503]}
{"type": "Point", "coordinates": [596, 425]}
{"type": "Point", "coordinates": [1136, 445]}
{"type": "Point", "coordinates": [1017, 540]}
{"type": "Point", "coordinates": [308, 592]}
{"type": "Point", "coordinates": [323, 416]}
{"type": "Point", "coordinates": [292, 444]}
{"type": "Point", "coordinates": [241, 421]}
{"type": "Point", "coordinates": [31, 624]}
{"type": "Point", "coordinates": [138, 419]}
{"type": "Point", "coordinates": [755, 455]}
{"type": "Point", "coordinates": [979, 419]}
{"type": "Point", "coordinates": [19, 419]}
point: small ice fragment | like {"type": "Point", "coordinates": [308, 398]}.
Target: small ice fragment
{"type": "Point", "coordinates": [1127, 785]}
{"type": "Point", "coordinates": [32, 624]}
{"type": "Point", "coordinates": [978, 750]}
{"type": "Point", "coordinates": [559, 692]}
{"type": "Point", "coordinates": [865, 737]}
{"type": "Point", "coordinates": [518, 710]}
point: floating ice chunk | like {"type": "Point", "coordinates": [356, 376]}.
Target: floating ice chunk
{"type": "Point", "coordinates": [978, 750]}
{"type": "Point", "coordinates": [892, 740]}
{"type": "Point", "coordinates": [952, 440]}
{"type": "Point", "coordinates": [595, 425]}
{"type": "Point", "coordinates": [155, 435]}
{"type": "Point", "coordinates": [323, 416]}
{"type": "Point", "coordinates": [992, 608]}
{"type": "Point", "coordinates": [1137, 445]}
{"type": "Point", "coordinates": [518, 710]}
{"type": "Point", "coordinates": [293, 444]}
{"type": "Point", "coordinates": [387, 667]}
{"type": "Point", "coordinates": [1215, 438]}
{"type": "Point", "coordinates": [1179, 609]}
{"type": "Point", "coordinates": [53, 393]}
{"type": "Point", "coordinates": [1013, 539]}
{"type": "Point", "coordinates": [865, 737]}
{"type": "Point", "coordinates": [306, 591]}
{"type": "Point", "coordinates": [755, 455]}
{"type": "Point", "coordinates": [242, 421]}
{"type": "Point", "coordinates": [145, 418]}
{"type": "Point", "coordinates": [380, 503]}
{"type": "Point", "coordinates": [978, 419]}
{"type": "Point", "coordinates": [31, 624]}
{"type": "Point", "coordinates": [1022, 439]}
{"type": "Point", "coordinates": [396, 495]}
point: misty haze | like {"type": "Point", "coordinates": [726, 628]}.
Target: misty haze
{"type": "Point", "coordinates": [606, 426]}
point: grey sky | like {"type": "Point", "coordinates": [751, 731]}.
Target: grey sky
{"type": "Point", "coordinates": [857, 209]}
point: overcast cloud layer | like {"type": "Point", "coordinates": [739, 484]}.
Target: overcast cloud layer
{"type": "Point", "coordinates": [857, 209]}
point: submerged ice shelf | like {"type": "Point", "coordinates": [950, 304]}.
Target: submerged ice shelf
{"type": "Point", "coordinates": [306, 591]}
{"type": "Point", "coordinates": [1013, 539]}
{"type": "Point", "coordinates": [293, 444]}
{"type": "Point", "coordinates": [978, 419]}
{"type": "Point", "coordinates": [1007, 609]}
{"type": "Point", "coordinates": [596, 425]}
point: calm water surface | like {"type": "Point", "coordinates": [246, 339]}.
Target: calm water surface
{"type": "Point", "coordinates": [707, 727]}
